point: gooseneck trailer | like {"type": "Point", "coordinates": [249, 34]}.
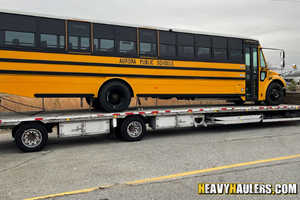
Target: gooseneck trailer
{"type": "Point", "coordinates": [30, 130]}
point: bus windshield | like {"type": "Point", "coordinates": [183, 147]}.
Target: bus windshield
{"type": "Point", "coordinates": [262, 60]}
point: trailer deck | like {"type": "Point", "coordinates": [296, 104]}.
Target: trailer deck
{"type": "Point", "coordinates": [30, 129]}
{"type": "Point", "coordinates": [56, 116]}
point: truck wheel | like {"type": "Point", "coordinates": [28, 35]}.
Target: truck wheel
{"type": "Point", "coordinates": [133, 129]}
{"type": "Point", "coordinates": [274, 95]}
{"type": "Point", "coordinates": [31, 137]}
{"type": "Point", "coordinates": [115, 96]}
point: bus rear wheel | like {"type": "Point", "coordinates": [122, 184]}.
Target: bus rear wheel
{"type": "Point", "coordinates": [274, 95]}
{"type": "Point", "coordinates": [115, 96]}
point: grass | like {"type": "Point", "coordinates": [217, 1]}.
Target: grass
{"type": "Point", "coordinates": [74, 103]}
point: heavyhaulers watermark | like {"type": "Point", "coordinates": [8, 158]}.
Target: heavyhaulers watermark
{"type": "Point", "coordinates": [248, 188]}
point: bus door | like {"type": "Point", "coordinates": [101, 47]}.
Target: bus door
{"type": "Point", "coordinates": [251, 62]}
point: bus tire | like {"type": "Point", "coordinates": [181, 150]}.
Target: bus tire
{"type": "Point", "coordinates": [115, 96]}
{"type": "Point", "coordinates": [274, 95]}
{"type": "Point", "coordinates": [31, 137]}
{"type": "Point", "coordinates": [133, 129]}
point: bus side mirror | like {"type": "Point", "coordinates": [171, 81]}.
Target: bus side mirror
{"type": "Point", "coordinates": [282, 54]}
{"type": "Point", "coordinates": [282, 64]}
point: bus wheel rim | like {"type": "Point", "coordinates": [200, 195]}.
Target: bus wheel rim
{"type": "Point", "coordinates": [32, 138]}
{"type": "Point", "coordinates": [134, 129]}
{"type": "Point", "coordinates": [275, 94]}
{"type": "Point", "coordinates": [115, 97]}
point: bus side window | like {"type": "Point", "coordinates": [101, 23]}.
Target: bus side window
{"type": "Point", "coordinates": [167, 44]}
{"type": "Point", "coordinates": [16, 38]}
{"type": "Point", "coordinates": [18, 31]}
{"type": "Point", "coordinates": [79, 34]}
{"type": "Point", "coordinates": [126, 40]}
{"type": "Point", "coordinates": [203, 45]}
{"type": "Point", "coordinates": [103, 38]}
{"type": "Point", "coordinates": [220, 48]}
{"type": "Point", "coordinates": [52, 34]}
{"type": "Point", "coordinates": [2, 38]}
{"type": "Point", "coordinates": [235, 49]}
{"type": "Point", "coordinates": [262, 76]}
{"type": "Point", "coordinates": [186, 45]}
{"type": "Point", "coordinates": [148, 42]}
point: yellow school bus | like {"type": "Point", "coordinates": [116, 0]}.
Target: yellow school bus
{"type": "Point", "coordinates": [109, 64]}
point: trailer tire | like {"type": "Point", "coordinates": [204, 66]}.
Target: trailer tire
{"type": "Point", "coordinates": [274, 95]}
{"type": "Point", "coordinates": [31, 137]}
{"type": "Point", "coordinates": [133, 129]}
{"type": "Point", "coordinates": [115, 96]}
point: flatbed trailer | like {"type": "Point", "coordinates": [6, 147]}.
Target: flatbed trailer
{"type": "Point", "coordinates": [30, 130]}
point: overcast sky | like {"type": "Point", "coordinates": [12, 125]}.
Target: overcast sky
{"type": "Point", "coordinates": [275, 23]}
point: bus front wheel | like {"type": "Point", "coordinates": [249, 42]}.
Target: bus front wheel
{"type": "Point", "coordinates": [274, 95]}
{"type": "Point", "coordinates": [115, 96]}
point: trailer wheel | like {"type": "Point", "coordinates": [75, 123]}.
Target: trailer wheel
{"type": "Point", "coordinates": [133, 129]}
{"type": "Point", "coordinates": [31, 137]}
{"type": "Point", "coordinates": [115, 96]}
{"type": "Point", "coordinates": [274, 95]}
